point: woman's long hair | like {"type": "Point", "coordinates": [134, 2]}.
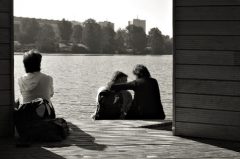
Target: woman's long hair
{"type": "Point", "coordinates": [116, 76]}
{"type": "Point", "coordinates": [141, 71]}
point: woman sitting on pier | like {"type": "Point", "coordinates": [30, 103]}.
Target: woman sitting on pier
{"type": "Point", "coordinates": [113, 104]}
{"type": "Point", "coordinates": [34, 114]}
{"type": "Point", "coordinates": [147, 102]}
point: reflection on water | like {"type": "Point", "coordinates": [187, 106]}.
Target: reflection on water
{"type": "Point", "coordinates": [77, 78]}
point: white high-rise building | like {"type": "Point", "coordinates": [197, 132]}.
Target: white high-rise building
{"type": "Point", "coordinates": [138, 23]}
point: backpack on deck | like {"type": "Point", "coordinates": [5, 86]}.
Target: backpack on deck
{"type": "Point", "coordinates": [36, 121]}
{"type": "Point", "coordinates": [109, 105]}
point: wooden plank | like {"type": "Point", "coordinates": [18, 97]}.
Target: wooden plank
{"type": "Point", "coordinates": [207, 131]}
{"type": "Point", "coordinates": [229, 118]}
{"type": "Point", "coordinates": [4, 36]}
{"type": "Point", "coordinates": [4, 51]}
{"type": "Point", "coordinates": [208, 13]}
{"type": "Point", "coordinates": [5, 98]}
{"type": "Point", "coordinates": [228, 58]}
{"type": "Point", "coordinates": [5, 5]}
{"type": "Point", "coordinates": [208, 28]}
{"type": "Point", "coordinates": [227, 88]}
{"type": "Point", "coordinates": [230, 43]}
{"type": "Point", "coordinates": [208, 72]}
{"type": "Point", "coordinates": [5, 82]}
{"type": "Point", "coordinates": [5, 66]}
{"type": "Point", "coordinates": [4, 20]}
{"type": "Point", "coordinates": [6, 128]}
{"type": "Point", "coordinates": [208, 102]}
{"type": "Point", "coordinates": [207, 2]}
{"type": "Point", "coordinates": [6, 113]}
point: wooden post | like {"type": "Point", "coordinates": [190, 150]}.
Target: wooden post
{"type": "Point", "coordinates": [6, 68]}
{"type": "Point", "coordinates": [207, 68]}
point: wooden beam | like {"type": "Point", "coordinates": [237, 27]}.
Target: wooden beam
{"type": "Point", "coordinates": [208, 28]}
{"type": "Point", "coordinates": [214, 43]}
{"type": "Point", "coordinates": [5, 66]}
{"type": "Point", "coordinates": [5, 82]}
{"type": "Point", "coordinates": [5, 5]}
{"type": "Point", "coordinates": [6, 113]}
{"type": "Point", "coordinates": [4, 36]}
{"type": "Point", "coordinates": [215, 117]}
{"type": "Point", "coordinates": [208, 102]}
{"type": "Point", "coordinates": [4, 51]}
{"type": "Point", "coordinates": [231, 73]}
{"type": "Point", "coordinates": [208, 87]}
{"type": "Point", "coordinates": [223, 58]}
{"type": "Point", "coordinates": [207, 2]}
{"type": "Point", "coordinates": [4, 20]}
{"type": "Point", "coordinates": [6, 128]}
{"type": "Point", "coordinates": [207, 131]}
{"type": "Point", "coordinates": [208, 13]}
{"type": "Point", "coordinates": [5, 98]}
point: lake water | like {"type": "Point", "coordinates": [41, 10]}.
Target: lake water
{"type": "Point", "coordinates": [77, 78]}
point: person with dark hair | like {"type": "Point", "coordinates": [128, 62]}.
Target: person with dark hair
{"type": "Point", "coordinates": [34, 84]}
{"type": "Point", "coordinates": [147, 101]}
{"type": "Point", "coordinates": [34, 114]}
{"type": "Point", "coordinates": [113, 104]}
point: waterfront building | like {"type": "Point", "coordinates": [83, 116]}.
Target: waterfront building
{"type": "Point", "coordinates": [139, 23]}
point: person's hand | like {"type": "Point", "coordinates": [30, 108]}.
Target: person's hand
{"type": "Point", "coordinates": [123, 115]}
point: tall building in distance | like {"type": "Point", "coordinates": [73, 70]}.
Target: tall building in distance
{"type": "Point", "coordinates": [106, 24]}
{"type": "Point", "coordinates": [139, 23]}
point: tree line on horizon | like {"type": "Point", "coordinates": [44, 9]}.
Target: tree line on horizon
{"type": "Point", "coordinates": [90, 37]}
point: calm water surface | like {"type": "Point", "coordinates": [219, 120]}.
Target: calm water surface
{"type": "Point", "coordinates": [77, 78]}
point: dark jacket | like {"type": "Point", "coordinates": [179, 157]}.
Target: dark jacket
{"type": "Point", "coordinates": [147, 101]}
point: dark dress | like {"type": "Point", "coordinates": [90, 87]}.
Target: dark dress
{"type": "Point", "coordinates": [147, 101]}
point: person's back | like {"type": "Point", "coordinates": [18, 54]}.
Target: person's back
{"type": "Point", "coordinates": [35, 85]}
{"type": "Point", "coordinates": [113, 104]}
{"type": "Point", "coordinates": [147, 102]}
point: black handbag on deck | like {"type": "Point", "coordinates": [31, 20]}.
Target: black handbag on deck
{"type": "Point", "coordinates": [36, 121]}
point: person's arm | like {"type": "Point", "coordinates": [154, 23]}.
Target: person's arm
{"type": "Point", "coordinates": [124, 86]}
{"type": "Point", "coordinates": [51, 87]}
{"type": "Point", "coordinates": [129, 100]}
{"type": "Point", "coordinates": [98, 92]}
{"type": "Point", "coordinates": [20, 97]}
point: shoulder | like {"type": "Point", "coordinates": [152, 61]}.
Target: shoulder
{"type": "Point", "coordinates": [101, 89]}
{"type": "Point", "coordinates": [139, 81]}
{"type": "Point", "coordinates": [46, 76]}
{"type": "Point", "coordinates": [126, 95]}
{"type": "Point", "coordinates": [125, 92]}
{"type": "Point", "coordinates": [20, 79]}
{"type": "Point", "coordinates": [154, 80]}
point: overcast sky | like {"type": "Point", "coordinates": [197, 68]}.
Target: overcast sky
{"type": "Point", "coordinates": [157, 13]}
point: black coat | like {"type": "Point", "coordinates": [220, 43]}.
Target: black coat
{"type": "Point", "coordinates": [147, 101]}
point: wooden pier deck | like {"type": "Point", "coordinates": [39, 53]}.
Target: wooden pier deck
{"type": "Point", "coordinates": [122, 139]}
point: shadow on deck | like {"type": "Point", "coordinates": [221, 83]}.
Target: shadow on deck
{"type": "Point", "coordinates": [122, 139]}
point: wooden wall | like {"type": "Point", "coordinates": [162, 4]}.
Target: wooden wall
{"type": "Point", "coordinates": [6, 68]}
{"type": "Point", "coordinates": [207, 68]}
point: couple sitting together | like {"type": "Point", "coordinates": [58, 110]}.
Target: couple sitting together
{"type": "Point", "coordinates": [115, 102]}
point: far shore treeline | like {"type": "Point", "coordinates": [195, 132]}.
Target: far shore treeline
{"type": "Point", "coordinates": [51, 36]}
